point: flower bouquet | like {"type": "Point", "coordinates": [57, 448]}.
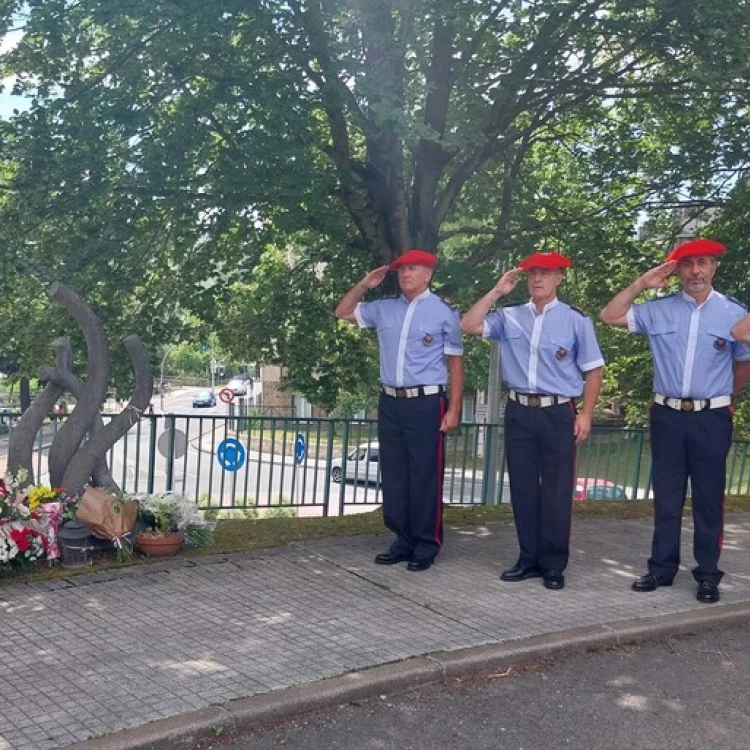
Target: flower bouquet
{"type": "Point", "coordinates": [109, 517]}
{"type": "Point", "coordinates": [26, 532]}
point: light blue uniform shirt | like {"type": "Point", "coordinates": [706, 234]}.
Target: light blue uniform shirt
{"type": "Point", "coordinates": [414, 338]}
{"type": "Point", "coordinates": [545, 352]}
{"type": "Point", "coordinates": [691, 344]}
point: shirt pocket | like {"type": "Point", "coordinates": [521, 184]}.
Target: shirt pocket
{"type": "Point", "coordinates": [665, 340]}
{"type": "Point", "coordinates": [512, 333]}
{"type": "Point", "coordinates": [426, 336]}
{"type": "Point", "coordinates": [664, 332]}
{"type": "Point", "coordinates": [560, 347]}
{"type": "Point", "coordinates": [720, 339]}
{"type": "Point", "coordinates": [389, 334]}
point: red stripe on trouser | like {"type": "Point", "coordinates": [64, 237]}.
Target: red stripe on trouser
{"type": "Point", "coordinates": [723, 503]}
{"type": "Point", "coordinates": [441, 471]}
{"type": "Point", "coordinates": [573, 475]}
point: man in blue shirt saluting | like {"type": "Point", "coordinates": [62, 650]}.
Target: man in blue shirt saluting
{"type": "Point", "coordinates": [420, 355]}
{"type": "Point", "coordinates": [698, 366]}
{"type": "Point", "coordinates": [549, 357]}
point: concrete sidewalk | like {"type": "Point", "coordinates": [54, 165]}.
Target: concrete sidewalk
{"type": "Point", "coordinates": [170, 651]}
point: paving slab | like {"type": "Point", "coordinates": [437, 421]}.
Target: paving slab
{"type": "Point", "coordinates": [102, 653]}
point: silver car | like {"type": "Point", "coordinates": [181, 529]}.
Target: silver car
{"type": "Point", "coordinates": [362, 464]}
{"type": "Point", "coordinates": [238, 386]}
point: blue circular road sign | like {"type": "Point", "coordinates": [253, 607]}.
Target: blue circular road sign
{"type": "Point", "coordinates": [300, 448]}
{"type": "Point", "coordinates": [231, 454]}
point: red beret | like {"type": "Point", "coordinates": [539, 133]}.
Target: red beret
{"type": "Point", "coordinates": [414, 258]}
{"type": "Point", "coordinates": [545, 260]}
{"type": "Point", "coordinates": [696, 247]}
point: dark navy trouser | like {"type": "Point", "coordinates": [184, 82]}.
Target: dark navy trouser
{"type": "Point", "coordinates": [412, 461]}
{"type": "Point", "coordinates": [540, 450]}
{"type": "Point", "coordinates": [695, 445]}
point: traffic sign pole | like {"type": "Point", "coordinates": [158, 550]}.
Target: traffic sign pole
{"type": "Point", "coordinates": [300, 451]}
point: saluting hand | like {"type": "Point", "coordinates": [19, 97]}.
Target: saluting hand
{"type": "Point", "coordinates": [656, 278]}
{"type": "Point", "coordinates": [507, 282]}
{"type": "Point", "coordinates": [375, 277]}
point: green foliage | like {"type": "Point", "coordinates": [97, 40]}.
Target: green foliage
{"type": "Point", "coordinates": [189, 359]}
{"type": "Point", "coordinates": [323, 357]}
{"type": "Point", "coordinates": [278, 509]}
{"type": "Point", "coordinates": [161, 514]}
{"type": "Point", "coordinates": [247, 163]}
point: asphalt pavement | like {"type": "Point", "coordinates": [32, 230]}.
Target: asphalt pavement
{"type": "Point", "coordinates": [172, 654]}
{"type": "Point", "coordinates": [683, 693]}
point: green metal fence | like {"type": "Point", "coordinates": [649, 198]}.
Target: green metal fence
{"type": "Point", "coordinates": [331, 467]}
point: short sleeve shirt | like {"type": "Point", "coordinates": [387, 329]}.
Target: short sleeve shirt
{"type": "Point", "coordinates": [414, 338]}
{"type": "Point", "coordinates": [691, 345]}
{"type": "Point", "coordinates": [546, 352]}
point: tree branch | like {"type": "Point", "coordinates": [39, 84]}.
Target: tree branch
{"type": "Point", "coordinates": [354, 202]}
{"type": "Point", "coordinates": [430, 156]}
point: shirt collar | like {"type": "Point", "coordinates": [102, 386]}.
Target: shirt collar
{"type": "Point", "coordinates": [426, 293]}
{"type": "Point", "coordinates": [692, 301]}
{"type": "Point", "coordinates": [548, 306]}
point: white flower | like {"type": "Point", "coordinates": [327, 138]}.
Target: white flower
{"type": "Point", "coordinates": [182, 509]}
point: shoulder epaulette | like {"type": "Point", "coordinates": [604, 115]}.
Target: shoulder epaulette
{"type": "Point", "coordinates": [737, 302]}
{"type": "Point", "coordinates": [515, 304]}
{"type": "Point", "coordinates": [575, 309]}
{"type": "Point", "coordinates": [663, 297]}
{"type": "Point", "coordinates": [445, 300]}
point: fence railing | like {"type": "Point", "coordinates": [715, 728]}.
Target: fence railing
{"type": "Point", "coordinates": [261, 464]}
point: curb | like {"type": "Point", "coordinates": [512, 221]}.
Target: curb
{"type": "Point", "coordinates": [243, 714]}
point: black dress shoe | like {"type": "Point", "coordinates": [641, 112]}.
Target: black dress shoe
{"type": "Point", "coordinates": [708, 592]}
{"type": "Point", "coordinates": [554, 579]}
{"type": "Point", "coordinates": [650, 582]}
{"type": "Point", "coordinates": [420, 563]}
{"type": "Point", "coordinates": [521, 573]}
{"type": "Point", "coordinates": [392, 558]}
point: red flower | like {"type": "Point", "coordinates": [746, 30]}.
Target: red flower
{"type": "Point", "coordinates": [3, 489]}
{"type": "Point", "coordinates": [21, 538]}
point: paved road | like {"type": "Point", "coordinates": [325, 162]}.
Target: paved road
{"type": "Point", "coordinates": [264, 479]}
{"type": "Point", "coordinates": [685, 693]}
{"type": "Point", "coordinates": [270, 477]}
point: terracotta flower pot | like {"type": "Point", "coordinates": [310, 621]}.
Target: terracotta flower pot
{"type": "Point", "coordinates": [159, 546]}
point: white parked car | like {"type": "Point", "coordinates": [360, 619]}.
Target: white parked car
{"type": "Point", "coordinates": [362, 464]}
{"type": "Point", "coordinates": [238, 386]}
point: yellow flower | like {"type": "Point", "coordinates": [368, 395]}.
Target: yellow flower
{"type": "Point", "coordinates": [38, 495]}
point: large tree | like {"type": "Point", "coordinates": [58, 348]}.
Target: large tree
{"type": "Point", "coordinates": [173, 150]}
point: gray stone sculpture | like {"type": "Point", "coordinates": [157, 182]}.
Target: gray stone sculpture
{"type": "Point", "coordinates": [77, 456]}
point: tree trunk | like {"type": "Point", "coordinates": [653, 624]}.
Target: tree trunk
{"type": "Point", "coordinates": [24, 388]}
